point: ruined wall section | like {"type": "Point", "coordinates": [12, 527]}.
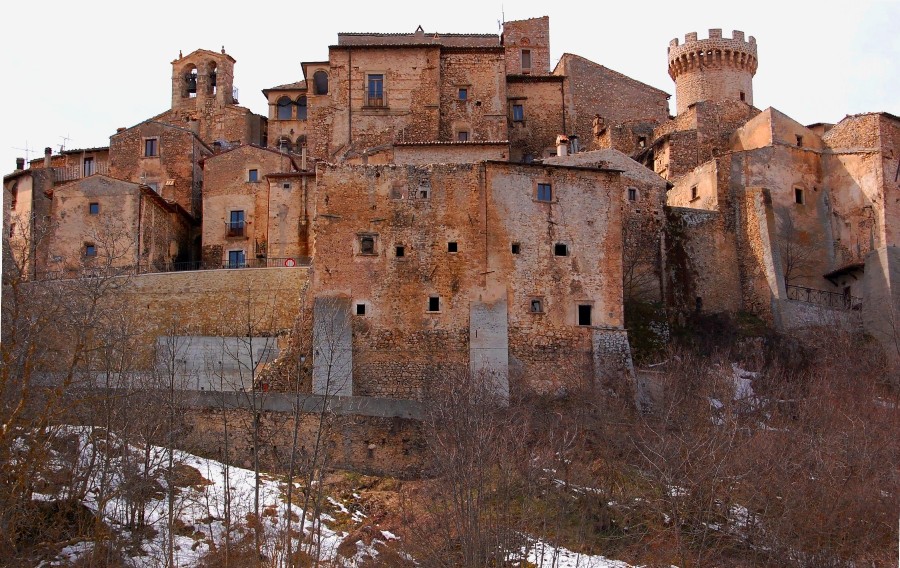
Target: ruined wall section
{"type": "Point", "coordinates": [542, 118]}
{"type": "Point", "coordinates": [481, 111]}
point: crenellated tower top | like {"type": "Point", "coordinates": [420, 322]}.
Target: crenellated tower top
{"type": "Point", "coordinates": [715, 69]}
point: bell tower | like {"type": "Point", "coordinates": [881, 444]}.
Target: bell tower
{"type": "Point", "coordinates": [202, 79]}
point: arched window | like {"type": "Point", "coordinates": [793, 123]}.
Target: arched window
{"type": "Point", "coordinates": [284, 144]}
{"type": "Point", "coordinates": [320, 81]}
{"type": "Point", "coordinates": [211, 85]}
{"type": "Point", "coordinates": [284, 108]}
{"type": "Point", "coordinates": [190, 82]}
{"type": "Point", "coordinates": [301, 142]}
{"type": "Point", "coordinates": [301, 107]}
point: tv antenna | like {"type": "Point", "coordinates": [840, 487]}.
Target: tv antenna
{"type": "Point", "coordinates": [28, 151]}
{"type": "Point", "coordinates": [62, 146]}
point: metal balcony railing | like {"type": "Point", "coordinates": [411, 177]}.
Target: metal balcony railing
{"type": "Point", "coordinates": [826, 298]}
{"type": "Point", "coordinates": [69, 173]}
{"type": "Point", "coordinates": [234, 228]}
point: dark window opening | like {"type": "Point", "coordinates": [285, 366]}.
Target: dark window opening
{"type": "Point", "coordinates": [584, 314]}
{"type": "Point", "coordinates": [360, 309]}
{"type": "Point", "coordinates": [190, 80]}
{"type": "Point", "coordinates": [799, 140]}
{"type": "Point", "coordinates": [253, 175]}
{"type": "Point", "coordinates": [375, 90]}
{"type": "Point", "coordinates": [286, 185]}
{"type": "Point", "coordinates": [463, 93]}
{"type": "Point", "coordinates": [236, 224]}
{"type": "Point", "coordinates": [516, 248]}
{"type": "Point", "coordinates": [90, 250]}
{"type": "Point", "coordinates": [536, 306]}
{"type": "Point", "coordinates": [642, 141]}
{"type": "Point", "coordinates": [284, 108]}
{"type": "Point", "coordinates": [434, 304]}
{"type": "Point", "coordinates": [14, 196]}
{"type": "Point", "coordinates": [462, 136]}
{"type": "Point", "coordinates": [12, 230]}
{"type": "Point", "coordinates": [694, 193]}
{"type": "Point", "coordinates": [560, 249]}
{"type": "Point", "coordinates": [400, 251]}
{"type": "Point", "coordinates": [367, 245]}
{"type": "Point", "coordinates": [88, 167]}
{"type": "Point", "coordinates": [94, 208]}
{"type": "Point", "coordinates": [632, 194]}
{"type": "Point", "coordinates": [320, 82]}
{"type": "Point", "coordinates": [452, 246]}
{"type": "Point", "coordinates": [423, 193]}
{"type": "Point", "coordinates": [798, 196]}
{"type": "Point", "coordinates": [301, 108]}
{"type": "Point", "coordinates": [151, 147]}
{"type": "Point", "coordinates": [743, 96]}
{"type": "Point", "coordinates": [518, 112]}
{"type": "Point", "coordinates": [544, 192]}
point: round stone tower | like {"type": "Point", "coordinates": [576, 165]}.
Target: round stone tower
{"type": "Point", "coordinates": [714, 69]}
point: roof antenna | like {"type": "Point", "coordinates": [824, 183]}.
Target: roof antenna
{"type": "Point", "coordinates": [502, 13]}
{"type": "Point", "coordinates": [62, 146]}
{"type": "Point", "coordinates": [28, 151]}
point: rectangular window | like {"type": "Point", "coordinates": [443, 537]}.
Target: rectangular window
{"type": "Point", "coordinates": [526, 60]}
{"type": "Point", "coordinates": [518, 112]}
{"type": "Point", "coordinates": [798, 196]}
{"type": "Point", "coordinates": [12, 230]}
{"type": "Point", "coordinates": [375, 90]}
{"type": "Point", "coordinates": [253, 175]}
{"type": "Point", "coordinates": [367, 245]}
{"type": "Point", "coordinates": [434, 304]}
{"type": "Point", "coordinates": [536, 306]}
{"type": "Point", "coordinates": [584, 314]}
{"type": "Point", "coordinates": [462, 136]}
{"type": "Point", "coordinates": [642, 141]}
{"type": "Point", "coordinates": [632, 194]}
{"type": "Point", "coordinates": [463, 93]}
{"type": "Point", "coordinates": [360, 309]}
{"type": "Point", "coordinates": [88, 167]}
{"type": "Point", "coordinates": [560, 249]}
{"type": "Point", "coordinates": [94, 208]}
{"type": "Point", "coordinates": [400, 251]}
{"type": "Point", "coordinates": [452, 246]}
{"type": "Point", "coordinates": [236, 259]}
{"type": "Point", "coordinates": [516, 248]}
{"type": "Point", "coordinates": [151, 147]}
{"type": "Point", "coordinates": [544, 192]}
{"type": "Point", "coordinates": [90, 250]}
{"type": "Point", "coordinates": [286, 185]}
{"type": "Point", "coordinates": [743, 96]}
{"type": "Point", "coordinates": [799, 140]}
{"type": "Point", "coordinates": [694, 193]}
{"type": "Point", "coordinates": [14, 196]}
{"type": "Point", "coordinates": [236, 224]}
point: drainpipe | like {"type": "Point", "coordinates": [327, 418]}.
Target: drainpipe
{"type": "Point", "coordinates": [349, 95]}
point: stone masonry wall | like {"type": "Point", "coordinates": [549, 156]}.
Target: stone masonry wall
{"type": "Point", "coordinates": [483, 112]}
{"type": "Point", "coordinates": [542, 107]}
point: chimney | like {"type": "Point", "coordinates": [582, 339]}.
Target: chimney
{"type": "Point", "coordinates": [303, 158]}
{"type": "Point", "coordinates": [562, 145]}
{"type": "Point", "coordinates": [20, 163]}
{"type": "Point", "coordinates": [47, 152]}
{"type": "Point", "coordinates": [121, 129]}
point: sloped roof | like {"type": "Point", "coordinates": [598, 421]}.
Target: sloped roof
{"type": "Point", "coordinates": [419, 37]}
{"type": "Point", "coordinates": [296, 86]}
{"type": "Point", "coordinates": [571, 56]}
{"type": "Point", "coordinates": [610, 158]}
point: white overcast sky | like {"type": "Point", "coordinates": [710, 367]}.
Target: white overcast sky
{"type": "Point", "coordinates": [81, 69]}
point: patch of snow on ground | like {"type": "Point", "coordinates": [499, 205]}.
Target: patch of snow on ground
{"type": "Point", "coordinates": [543, 555]}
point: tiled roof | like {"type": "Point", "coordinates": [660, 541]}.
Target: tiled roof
{"type": "Point", "coordinates": [421, 38]}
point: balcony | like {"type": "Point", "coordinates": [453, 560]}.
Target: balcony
{"type": "Point", "coordinates": [824, 298]}
{"type": "Point", "coordinates": [234, 229]}
{"type": "Point", "coordinates": [69, 173]}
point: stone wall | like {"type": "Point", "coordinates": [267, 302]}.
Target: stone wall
{"type": "Point", "coordinates": [533, 35]}
{"type": "Point", "coordinates": [449, 153]}
{"type": "Point", "coordinates": [543, 112]}
{"type": "Point", "coordinates": [482, 113]}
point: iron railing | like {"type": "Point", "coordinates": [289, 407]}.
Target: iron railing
{"type": "Point", "coordinates": [234, 228]}
{"type": "Point", "coordinates": [162, 267]}
{"type": "Point", "coordinates": [833, 300]}
{"type": "Point", "coordinates": [69, 173]}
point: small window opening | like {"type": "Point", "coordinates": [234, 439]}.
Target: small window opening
{"type": "Point", "coordinates": [400, 251]}
{"type": "Point", "coordinates": [286, 185]}
{"type": "Point", "coordinates": [544, 192]}
{"type": "Point", "coordinates": [462, 136]}
{"type": "Point", "coordinates": [584, 314]}
{"type": "Point", "coordinates": [694, 193]}
{"type": "Point", "coordinates": [253, 175]}
{"type": "Point", "coordinates": [632, 194]}
{"type": "Point", "coordinates": [423, 193]}
{"type": "Point", "coordinates": [14, 196]}
{"type": "Point", "coordinates": [526, 60]}
{"type": "Point", "coordinates": [12, 230]}
{"type": "Point", "coordinates": [94, 208]}
{"type": "Point", "coordinates": [799, 140]}
{"type": "Point", "coordinates": [516, 248]}
{"type": "Point", "coordinates": [798, 196]}
{"type": "Point", "coordinates": [518, 112]}
{"type": "Point", "coordinates": [743, 96]}
{"type": "Point", "coordinates": [434, 304]}
{"type": "Point", "coordinates": [367, 245]}
{"type": "Point", "coordinates": [642, 141]}
{"type": "Point", "coordinates": [536, 306]}
{"type": "Point", "coordinates": [360, 309]}
{"type": "Point", "coordinates": [560, 249]}
{"type": "Point", "coordinates": [463, 93]}
{"type": "Point", "coordinates": [90, 249]}
{"type": "Point", "coordinates": [452, 246]}
{"type": "Point", "coordinates": [151, 147]}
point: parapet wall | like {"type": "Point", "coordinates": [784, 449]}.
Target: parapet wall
{"type": "Point", "coordinates": [717, 68]}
